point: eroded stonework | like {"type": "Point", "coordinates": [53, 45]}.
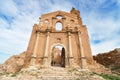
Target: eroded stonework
{"type": "Point", "coordinates": [60, 39]}
{"type": "Point", "coordinates": [70, 33]}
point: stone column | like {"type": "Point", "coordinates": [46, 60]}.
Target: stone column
{"type": "Point", "coordinates": [71, 60]}
{"type": "Point", "coordinates": [33, 57]}
{"type": "Point", "coordinates": [45, 61]}
{"type": "Point", "coordinates": [83, 58]}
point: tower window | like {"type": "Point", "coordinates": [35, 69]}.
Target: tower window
{"type": "Point", "coordinates": [58, 26]}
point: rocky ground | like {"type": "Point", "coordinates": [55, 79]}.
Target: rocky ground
{"type": "Point", "coordinates": [110, 60]}
{"type": "Point", "coordinates": [53, 73]}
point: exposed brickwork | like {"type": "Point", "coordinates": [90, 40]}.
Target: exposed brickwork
{"type": "Point", "coordinates": [73, 37]}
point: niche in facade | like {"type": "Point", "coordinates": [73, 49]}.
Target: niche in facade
{"type": "Point", "coordinates": [46, 21]}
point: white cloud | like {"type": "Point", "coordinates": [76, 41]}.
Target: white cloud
{"type": "Point", "coordinates": [15, 39]}
{"type": "Point", "coordinates": [15, 35]}
{"type": "Point", "coordinates": [89, 4]}
{"type": "Point", "coordinates": [3, 23]}
{"type": "Point", "coordinates": [8, 7]}
{"type": "Point", "coordinates": [105, 46]}
{"type": "Point", "coordinates": [54, 5]}
{"type": "Point", "coordinates": [103, 27]}
{"type": "Point", "coordinates": [104, 30]}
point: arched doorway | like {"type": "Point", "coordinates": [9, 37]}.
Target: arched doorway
{"type": "Point", "coordinates": [58, 56]}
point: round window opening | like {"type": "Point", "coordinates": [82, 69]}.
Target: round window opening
{"type": "Point", "coordinates": [59, 17]}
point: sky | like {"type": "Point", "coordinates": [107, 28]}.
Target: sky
{"type": "Point", "coordinates": [17, 17]}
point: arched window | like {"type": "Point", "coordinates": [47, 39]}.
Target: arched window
{"type": "Point", "coordinates": [58, 26]}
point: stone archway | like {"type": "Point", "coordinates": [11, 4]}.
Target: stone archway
{"type": "Point", "coordinates": [58, 55]}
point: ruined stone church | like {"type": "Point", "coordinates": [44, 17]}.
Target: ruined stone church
{"type": "Point", "coordinates": [61, 40]}
{"type": "Point", "coordinates": [64, 31]}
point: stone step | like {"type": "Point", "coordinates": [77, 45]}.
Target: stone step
{"type": "Point", "coordinates": [58, 77]}
{"type": "Point", "coordinates": [52, 78]}
{"type": "Point", "coordinates": [58, 73]}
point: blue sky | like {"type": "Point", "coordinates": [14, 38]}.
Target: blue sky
{"type": "Point", "coordinates": [102, 18]}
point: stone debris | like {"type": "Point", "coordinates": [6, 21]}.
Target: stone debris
{"type": "Point", "coordinates": [110, 60]}
{"type": "Point", "coordinates": [53, 73]}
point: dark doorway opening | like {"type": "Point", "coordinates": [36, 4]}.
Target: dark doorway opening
{"type": "Point", "coordinates": [58, 56]}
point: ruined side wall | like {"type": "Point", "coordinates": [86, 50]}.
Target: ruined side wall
{"type": "Point", "coordinates": [30, 48]}
{"type": "Point", "coordinates": [41, 48]}
{"type": "Point", "coordinates": [75, 49]}
{"type": "Point", "coordinates": [86, 45]}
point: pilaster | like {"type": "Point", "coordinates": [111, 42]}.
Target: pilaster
{"type": "Point", "coordinates": [83, 58]}
{"type": "Point", "coordinates": [71, 60]}
{"type": "Point", "coordinates": [45, 60]}
{"type": "Point", "coordinates": [33, 57]}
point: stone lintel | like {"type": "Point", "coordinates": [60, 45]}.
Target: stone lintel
{"type": "Point", "coordinates": [63, 18]}
{"type": "Point", "coordinates": [48, 30]}
{"type": "Point", "coordinates": [70, 57]}
{"type": "Point", "coordinates": [33, 56]}
{"type": "Point", "coordinates": [40, 57]}
{"type": "Point", "coordinates": [69, 30]}
{"type": "Point", "coordinates": [83, 57]}
{"type": "Point", "coordinates": [45, 57]}
{"type": "Point", "coordinates": [52, 31]}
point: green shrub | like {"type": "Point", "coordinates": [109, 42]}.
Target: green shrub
{"type": "Point", "coordinates": [14, 75]}
{"type": "Point", "coordinates": [109, 77]}
{"type": "Point", "coordinates": [77, 79]}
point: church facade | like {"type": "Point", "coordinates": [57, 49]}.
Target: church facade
{"type": "Point", "coordinates": [60, 39]}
